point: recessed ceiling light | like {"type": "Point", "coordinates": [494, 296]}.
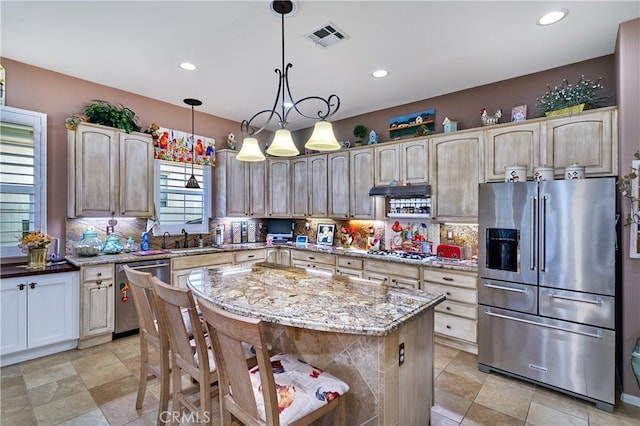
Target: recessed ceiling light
{"type": "Point", "coordinates": [187, 66]}
{"type": "Point", "coordinates": [553, 17]}
{"type": "Point", "coordinates": [380, 73]}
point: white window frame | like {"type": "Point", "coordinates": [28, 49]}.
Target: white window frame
{"type": "Point", "coordinates": [191, 228]}
{"type": "Point", "coordinates": [38, 122]}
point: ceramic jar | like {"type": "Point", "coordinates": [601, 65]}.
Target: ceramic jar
{"type": "Point", "coordinates": [574, 171]}
{"type": "Point", "coordinates": [515, 173]}
{"type": "Point", "coordinates": [543, 173]}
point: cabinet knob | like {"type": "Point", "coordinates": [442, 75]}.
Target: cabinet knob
{"type": "Point", "coordinates": [99, 274]}
{"type": "Point", "coordinates": [449, 327]}
{"type": "Point", "coordinates": [32, 284]}
{"type": "Point", "coordinates": [98, 282]}
{"type": "Point", "coordinates": [21, 287]}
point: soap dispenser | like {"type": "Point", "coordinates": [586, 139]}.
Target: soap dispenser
{"type": "Point", "coordinates": [144, 245]}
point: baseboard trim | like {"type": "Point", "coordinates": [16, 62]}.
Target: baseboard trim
{"type": "Point", "coordinates": [630, 399]}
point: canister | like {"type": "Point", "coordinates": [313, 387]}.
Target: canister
{"type": "Point", "coordinates": [574, 171]}
{"type": "Point", "coordinates": [543, 173]}
{"type": "Point", "coordinates": [515, 173]}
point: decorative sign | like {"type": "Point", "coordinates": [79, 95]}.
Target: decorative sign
{"type": "Point", "coordinates": [175, 145]}
{"type": "Point", "coordinates": [410, 124]}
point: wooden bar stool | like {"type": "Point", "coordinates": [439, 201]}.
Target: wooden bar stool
{"type": "Point", "coordinates": [144, 299]}
{"type": "Point", "coordinates": [188, 355]}
{"type": "Point", "coordinates": [280, 390]}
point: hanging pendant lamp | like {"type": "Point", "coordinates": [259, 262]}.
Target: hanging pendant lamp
{"type": "Point", "coordinates": [250, 151]}
{"type": "Point", "coordinates": [322, 139]}
{"type": "Point", "coordinates": [192, 183]}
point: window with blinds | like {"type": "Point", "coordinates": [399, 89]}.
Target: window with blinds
{"type": "Point", "coordinates": [177, 207]}
{"type": "Point", "coordinates": [22, 176]}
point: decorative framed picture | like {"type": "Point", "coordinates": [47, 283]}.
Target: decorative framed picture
{"type": "Point", "coordinates": [634, 241]}
{"type": "Point", "coordinates": [519, 113]}
{"type": "Point", "coordinates": [325, 234]}
{"type": "Point", "coordinates": [301, 240]}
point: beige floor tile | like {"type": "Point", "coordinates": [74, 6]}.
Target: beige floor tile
{"type": "Point", "coordinates": [503, 401]}
{"type": "Point", "coordinates": [623, 415]}
{"type": "Point", "coordinates": [458, 385]}
{"type": "Point", "coordinates": [479, 415]}
{"type": "Point", "coordinates": [44, 375]}
{"type": "Point", "coordinates": [443, 356]}
{"type": "Point", "coordinates": [123, 410]}
{"type": "Point", "coordinates": [438, 419]}
{"type": "Point", "coordinates": [450, 405]}
{"type": "Point", "coordinates": [58, 389]}
{"type": "Point", "coordinates": [64, 408]}
{"type": "Point", "coordinates": [561, 402]}
{"type": "Point", "coordinates": [10, 372]}
{"type": "Point", "coordinates": [466, 365]}
{"type": "Point", "coordinates": [95, 361]}
{"type": "Point", "coordinates": [104, 374]}
{"type": "Point", "coordinates": [109, 391]}
{"type": "Point", "coordinates": [541, 415]}
{"type": "Point", "coordinates": [90, 418]}
{"type": "Point", "coordinates": [45, 361]}
{"type": "Point", "coordinates": [516, 387]}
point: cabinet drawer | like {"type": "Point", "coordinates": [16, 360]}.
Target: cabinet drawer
{"type": "Point", "coordinates": [457, 294]}
{"type": "Point", "coordinates": [349, 262]}
{"type": "Point", "coordinates": [456, 327]}
{"type": "Point", "coordinates": [302, 256]}
{"type": "Point", "coordinates": [448, 277]}
{"type": "Point", "coordinates": [459, 309]}
{"type": "Point", "coordinates": [327, 269]}
{"type": "Point", "coordinates": [393, 269]}
{"type": "Point", "coordinates": [101, 272]}
{"type": "Point", "coordinates": [250, 256]}
{"type": "Point", "coordinates": [201, 261]}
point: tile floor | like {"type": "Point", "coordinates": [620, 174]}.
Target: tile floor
{"type": "Point", "coordinates": [97, 386]}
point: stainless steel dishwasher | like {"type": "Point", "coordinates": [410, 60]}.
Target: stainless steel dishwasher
{"type": "Point", "coordinates": [126, 319]}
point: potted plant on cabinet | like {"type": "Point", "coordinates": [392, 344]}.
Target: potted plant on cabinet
{"type": "Point", "coordinates": [567, 98]}
{"type": "Point", "coordinates": [359, 132]}
{"type": "Point", "coordinates": [108, 114]}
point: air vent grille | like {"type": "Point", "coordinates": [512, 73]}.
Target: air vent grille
{"type": "Point", "coordinates": [327, 35]}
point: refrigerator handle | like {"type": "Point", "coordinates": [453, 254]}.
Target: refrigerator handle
{"type": "Point", "coordinates": [532, 233]}
{"type": "Point", "coordinates": [597, 334]}
{"type": "Point", "coordinates": [543, 232]}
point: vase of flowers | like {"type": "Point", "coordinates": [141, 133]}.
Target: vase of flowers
{"type": "Point", "coordinates": [567, 98]}
{"type": "Point", "coordinates": [34, 244]}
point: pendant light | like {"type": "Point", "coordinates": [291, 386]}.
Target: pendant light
{"type": "Point", "coordinates": [322, 139]}
{"type": "Point", "coordinates": [250, 151]}
{"type": "Point", "coordinates": [192, 183]}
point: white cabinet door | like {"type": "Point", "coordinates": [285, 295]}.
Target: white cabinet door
{"type": "Point", "coordinates": [256, 187]}
{"type": "Point", "coordinates": [13, 301]}
{"type": "Point", "coordinates": [414, 163]}
{"type": "Point", "coordinates": [516, 143]}
{"type": "Point", "coordinates": [362, 180]}
{"type": "Point", "coordinates": [53, 308]}
{"type": "Point", "coordinates": [136, 175]}
{"type": "Point", "coordinates": [317, 186]}
{"type": "Point", "coordinates": [387, 160]}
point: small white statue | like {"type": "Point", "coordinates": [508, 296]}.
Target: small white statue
{"type": "Point", "coordinates": [231, 141]}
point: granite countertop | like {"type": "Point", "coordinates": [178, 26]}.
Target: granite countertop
{"type": "Point", "coordinates": [294, 297]}
{"type": "Point", "coordinates": [464, 265]}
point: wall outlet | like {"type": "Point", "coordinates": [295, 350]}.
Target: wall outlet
{"type": "Point", "coordinates": [401, 354]}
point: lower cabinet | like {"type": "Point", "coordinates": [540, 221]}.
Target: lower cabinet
{"type": "Point", "coordinates": [456, 319]}
{"type": "Point", "coordinates": [181, 267]}
{"type": "Point", "coordinates": [251, 256]}
{"type": "Point", "coordinates": [39, 316]}
{"type": "Point", "coordinates": [394, 274]}
{"type": "Point", "coordinates": [97, 294]}
{"type": "Point", "coordinates": [280, 256]}
{"type": "Point", "coordinates": [349, 266]}
{"type": "Point", "coordinates": [322, 262]}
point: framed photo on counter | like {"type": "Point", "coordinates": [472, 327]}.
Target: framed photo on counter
{"type": "Point", "coordinates": [325, 234]}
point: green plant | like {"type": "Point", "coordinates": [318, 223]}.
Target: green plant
{"type": "Point", "coordinates": [567, 95]}
{"type": "Point", "coordinates": [359, 132]}
{"type": "Point", "coordinates": [625, 186]}
{"type": "Point", "coordinates": [108, 114]}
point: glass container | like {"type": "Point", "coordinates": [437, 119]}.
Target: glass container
{"type": "Point", "coordinates": [112, 245]}
{"type": "Point", "coordinates": [90, 244]}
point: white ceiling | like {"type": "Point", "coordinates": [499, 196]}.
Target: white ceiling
{"type": "Point", "coordinates": [429, 47]}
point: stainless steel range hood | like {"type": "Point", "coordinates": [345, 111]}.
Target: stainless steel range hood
{"type": "Point", "coordinates": [409, 191]}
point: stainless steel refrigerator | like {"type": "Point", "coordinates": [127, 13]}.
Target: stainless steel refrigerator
{"type": "Point", "coordinates": [547, 284]}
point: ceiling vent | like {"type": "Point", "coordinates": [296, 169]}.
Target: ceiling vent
{"type": "Point", "coordinates": [327, 35]}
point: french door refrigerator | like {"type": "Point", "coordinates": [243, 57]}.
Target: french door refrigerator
{"type": "Point", "coordinates": [546, 286]}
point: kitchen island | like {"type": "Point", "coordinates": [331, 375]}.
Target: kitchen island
{"type": "Point", "coordinates": [377, 338]}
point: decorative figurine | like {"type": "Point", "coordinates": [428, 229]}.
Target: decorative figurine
{"type": "Point", "coordinates": [450, 125]}
{"type": "Point", "coordinates": [231, 141]}
{"type": "Point", "coordinates": [488, 121]}
{"type": "Point", "coordinates": [373, 138]}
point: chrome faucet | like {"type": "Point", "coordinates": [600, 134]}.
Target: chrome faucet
{"type": "Point", "coordinates": [186, 238]}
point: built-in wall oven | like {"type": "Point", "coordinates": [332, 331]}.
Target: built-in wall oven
{"type": "Point", "coordinates": [126, 319]}
{"type": "Point", "coordinates": [546, 288]}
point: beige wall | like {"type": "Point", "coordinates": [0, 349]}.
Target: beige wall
{"type": "Point", "coordinates": [628, 72]}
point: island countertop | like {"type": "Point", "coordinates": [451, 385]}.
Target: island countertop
{"type": "Point", "coordinates": [297, 298]}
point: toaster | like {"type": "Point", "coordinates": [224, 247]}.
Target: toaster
{"type": "Point", "coordinates": [449, 251]}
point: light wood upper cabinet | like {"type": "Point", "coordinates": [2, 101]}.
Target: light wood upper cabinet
{"type": "Point", "coordinates": [455, 172]}
{"type": "Point", "coordinates": [299, 189]}
{"type": "Point", "coordinates": [387, 160]}
{"type": "Point", "coordinates": [504, 146]}
{"type": "Point", "coordinates": [317, 185]}
{"type": "Point", "coordinates": [362, 205]}
{"type": "Point", "coordinates": [256, 187]}
{"type": "Point", "coordinates": [405, 161]}
{"type": "Point", "coordinates": [239, 186]}
{"type": "Point", "coordinates": [279, 188]}
{"type": "Point", "coordinates": [112, 172]}
{"type": "Point", "coordinates": [338, 181]}
{"type": "Point", "coordinates": [589, 139]}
